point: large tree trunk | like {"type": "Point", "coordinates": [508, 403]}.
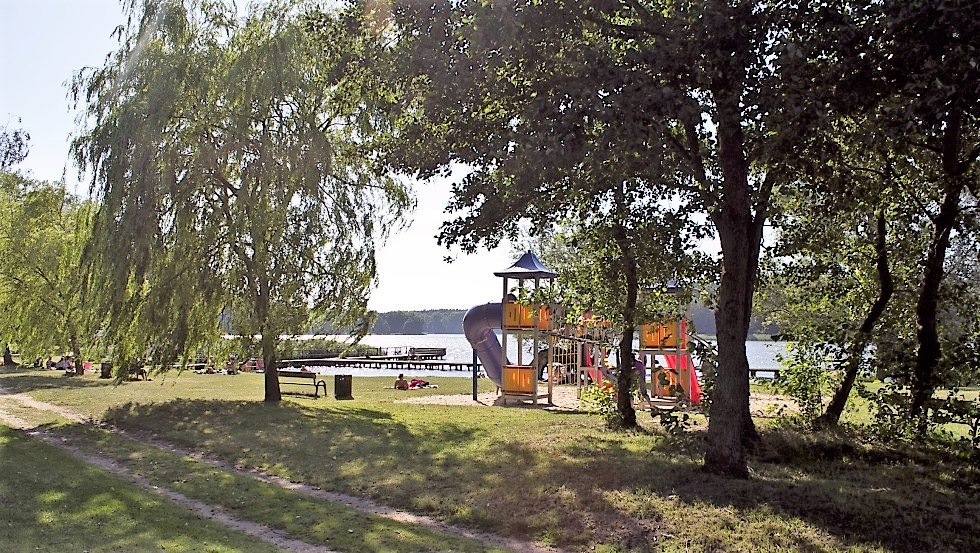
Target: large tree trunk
{"type": "Point", "coordinates": [923, 380]}
{"type": "Point", "coordinates": [624, 381]}
{"type": "Point", "coordinates": [76, 351]}
{"type": "Point", "coordinates": [8, 356]}
{"type": "Point", "coordinates": [730, 427]}
{"type": "Point", "coordinates": [270, 339]}
{"type": "Point", "coordinates": [272, 391]}
{"type": "Point", "coordinates": [886, 288]}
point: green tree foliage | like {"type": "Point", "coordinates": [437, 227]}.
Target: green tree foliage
{"type": "Point", "coordinates": [845, 244]}
{"type": "Point", "coordinates": [44, 230]}
{"type": "Point", "coordinates": [233, 162]}
{"type": "Point", "coordinates": [616, 265]}
{"type": "Point", "coordinates": [900, 80]}
{"type": "Point", "coordinates": [532, 95]}
{"type": "Point", "coordinates": [14, 145]}
{"type": "Point", "coordinates": [929, 54]}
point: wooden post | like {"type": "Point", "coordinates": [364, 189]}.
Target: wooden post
{"type": "Point", "coordinates": [475, 375]}
{"type": "Point", "coordinates": [503, 340]}
{"type": "Point", "coordinates": [681, 367]}
{"type": "Point", "coordinates": [534, 345]}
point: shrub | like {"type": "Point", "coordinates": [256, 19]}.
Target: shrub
{"type": "Point", "coordinates": [707, 355]}
{"type": "Point", "coordinates": [804, 378]}
{"type": "Point", "coordinates": [600, 399]}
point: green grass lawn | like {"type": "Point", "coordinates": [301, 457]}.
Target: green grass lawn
{"type": "Point", "coordinates": [296, 515]}
{"type": "Point", "coordinates": [858, 410]}
{"type": "Point", "coordinates": [49, 501]}
{"type": "Point", "coordinates": [557, 477]}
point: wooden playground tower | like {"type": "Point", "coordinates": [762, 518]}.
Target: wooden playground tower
{"type": "Point", "coordinates": [669, 338]}
{"type": "Point", "coordinates": [522, 324]}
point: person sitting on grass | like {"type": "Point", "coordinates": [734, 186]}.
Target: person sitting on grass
{"type": "Point", "coordinates": [401, 383]}
{"type": "Point", "coordinates": [63, 365]}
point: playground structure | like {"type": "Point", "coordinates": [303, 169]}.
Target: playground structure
{"type": "Point", "coordinates": [570, 353]}
{"type": "Point", "coordinates": [670, 340]}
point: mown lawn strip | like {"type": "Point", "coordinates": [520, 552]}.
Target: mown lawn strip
{"type": "Point", "coordinates": [50, 501]}
{"type": "Point", "coordinates": [299, 516]}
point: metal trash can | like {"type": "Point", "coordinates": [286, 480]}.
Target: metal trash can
{"type": "Point", "coordinates": [106, 370]}
{"type": "Point", "coordinates": [342, 386]}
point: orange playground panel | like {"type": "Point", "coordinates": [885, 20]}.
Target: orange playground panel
{"type": "Point", "coordinates": [663, 335]}
{"type": "Point", "coordinates": [518, 379]}
{"type": "Point", "coordinates": [522, 316]}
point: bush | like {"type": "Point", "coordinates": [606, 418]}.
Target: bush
{"type": "Point", "coordinates": [892, 422]}
{"type": "Point", "coordinates": [600, 399]}
{"type": "Point", "coordinates": [707, 355]}
{"type": "Point", "coordinates": [804, 378]}
{"type": "Point", "coordinates": [889, 410]}
{"type": "Point", "coordinates": [674, 423]}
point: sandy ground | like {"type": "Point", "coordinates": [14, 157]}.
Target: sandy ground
{"type": "Point", "coordinates": [565, 398]}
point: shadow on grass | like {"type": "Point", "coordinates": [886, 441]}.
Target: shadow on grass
{"type": "Point", "coordinates": [571, 492]}
{"type": "Point", "coordinates": [900, 506]}
{"type": "Point", "coordinates": [50, 501]}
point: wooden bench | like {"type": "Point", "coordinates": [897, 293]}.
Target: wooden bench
{"type": "Point", "coordinates": [315, 378]}
{"type": "Point", "coordinates": [135, 372]}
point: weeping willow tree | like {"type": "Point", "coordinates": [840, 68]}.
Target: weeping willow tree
{"type": "Point", "coordinates": [42, 232]}
{"type": "Point", "coordinates": [231, 159]}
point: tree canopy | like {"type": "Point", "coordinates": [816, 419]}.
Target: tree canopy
{"type": "Point", "coordinates": [14, 145]}
{"type": "Point", "coordinates": [233, 166]}
{"type": "Point", "coordinates": [699, 99]}
{"type": "Point", "coordinates": [44, 230]}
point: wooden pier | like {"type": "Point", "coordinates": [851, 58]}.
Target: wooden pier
{"type": "Point", "coordinates": [398, 362]}
{"type": "Point", "coordinates": [400, 358]}
{"type": "Point", "coordinates": [754, 373]}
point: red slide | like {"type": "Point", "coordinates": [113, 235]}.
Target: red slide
{"type": "Point", "coordinates": [687, 364]}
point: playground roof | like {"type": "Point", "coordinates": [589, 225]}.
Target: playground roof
{"type": "Point", "coordinates": [528, 266]}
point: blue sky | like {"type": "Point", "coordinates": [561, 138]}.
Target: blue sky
{"type": "Point", "coordinates": [46, 41]}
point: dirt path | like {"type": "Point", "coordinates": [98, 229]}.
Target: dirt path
{"type": "Point", "coordinates": [45, 406]}
{"type": "Point", "coordinates": [358, 503]}
{"type": "Point", "coordinates": [14, 420]}
{"type": "Point", "coordinates": [251, 528]}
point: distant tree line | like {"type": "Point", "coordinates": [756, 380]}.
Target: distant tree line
{"type": "Point", "coordinates": [430, 321]}
{"type": "Point", "coordinates": [450, 321]}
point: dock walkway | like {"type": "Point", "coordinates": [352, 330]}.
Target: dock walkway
{"type": "Point", "coordinates": [397, 362]}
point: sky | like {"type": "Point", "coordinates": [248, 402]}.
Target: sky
{"type": "Point", "coordinates": [46, 41]}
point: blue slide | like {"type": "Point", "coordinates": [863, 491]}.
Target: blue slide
{"type": "Point", "coordinates": [478, 325]}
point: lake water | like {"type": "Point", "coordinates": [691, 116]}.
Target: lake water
{"type": "Point", "coordinates": [762, 355]}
